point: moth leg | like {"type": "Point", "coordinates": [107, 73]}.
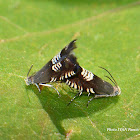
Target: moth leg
{"type": "Point", "coordinates": [88, 94]}
{"type": "Point", "coordinates": [38, 87]}
{"type": "Point", "coordinates": [78, 94]}
{"type": "Point", "coordinates": [48, 85]}
{"type": "Point", "coordinates": [41, 87]}
{"type": "Point", "coordinates": [90, 100]}
{"type": "Point", "coordinates": [103, 95]}
{"type": "Point", "coordinates": [99, 96]}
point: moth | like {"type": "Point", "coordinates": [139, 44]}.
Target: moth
{"type": "Point", "coordinates": [53, 70]}
{"type": "Point", "coordinates": [86, 81]}
{"type": "Point", "coordinates": [65, 68]}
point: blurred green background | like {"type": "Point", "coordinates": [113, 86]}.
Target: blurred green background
{"type": "Point", "coordinates": [32, 32]}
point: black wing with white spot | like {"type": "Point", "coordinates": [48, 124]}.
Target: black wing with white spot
{"type": "Point", "coordinates": [86, 81]}
{"type": "Point", "coordinates": [67, 68]}
{"type": "Point", "coordinates": [45, 74]}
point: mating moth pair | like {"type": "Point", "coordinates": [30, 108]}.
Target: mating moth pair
{"type": "Point", "coordinates": [65, 68]}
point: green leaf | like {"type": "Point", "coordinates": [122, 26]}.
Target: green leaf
{"type": "Point", "coordinates": [32, 32]}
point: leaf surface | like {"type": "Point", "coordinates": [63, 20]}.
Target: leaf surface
{"type": "Point", "coordinates": [32, 32]}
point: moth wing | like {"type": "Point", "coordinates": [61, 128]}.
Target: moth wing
{"type": "Point", "coordinates": [44, 75]}
{"type": "Point", "coordinates": [96, 85]}
{"type": "Point", "coordinates": [69, 68]}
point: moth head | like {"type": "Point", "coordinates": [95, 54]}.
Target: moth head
{"type": "Point", "coordinates": [116, 88]}
{"type": "Point", "coordinates": [29, 80]}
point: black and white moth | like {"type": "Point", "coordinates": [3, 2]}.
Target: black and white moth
{"type": "Point", "coordinates": [53, 70]}
{"type": "Point", "coordinates": [85, 81]}
{"type": "Point", "coordinates": [65, 68]}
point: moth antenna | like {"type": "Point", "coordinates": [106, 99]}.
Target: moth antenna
{"type": "Point", "coordinates": [111, 80]}
{"type": "Point", "coordinates": [29, 70]}
{"type": "Point", "coordinates": [110, 75]}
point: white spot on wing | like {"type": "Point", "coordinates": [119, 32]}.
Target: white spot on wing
{"type": "Point", "coordinates": [83, 71]}
{"type": "Point", "coordinates": [72, 84]}
{"type": "Point", "coordinates": [56, 67]}
{"type": "Point", "coordinates": [85, 74]}
{"type": "Point", "coordinates": [75, 85]}
{"type": "Point", "coordinates": [56, 58]}
{"type": "Point", "coordinates": [88, 76]}
{"type": "Point", "coordinates": [88, 90]}
{"type": "Point", "coordinates": [79, 87]}
{"type": "Point", "coordinates": [72, 72]}
{"type": "Point", "coordinates": [66, 75]}
{"type": "Point", "coordinates": [69, 74]}
{"type": "Point", "coordinates": [91, 90]}
{"type": "Point", "coordinates": [67, 82]}
{"type": "Point", "coordinates": [62, 78]}
{"type": "Point", "coordinates": [53, 79]}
